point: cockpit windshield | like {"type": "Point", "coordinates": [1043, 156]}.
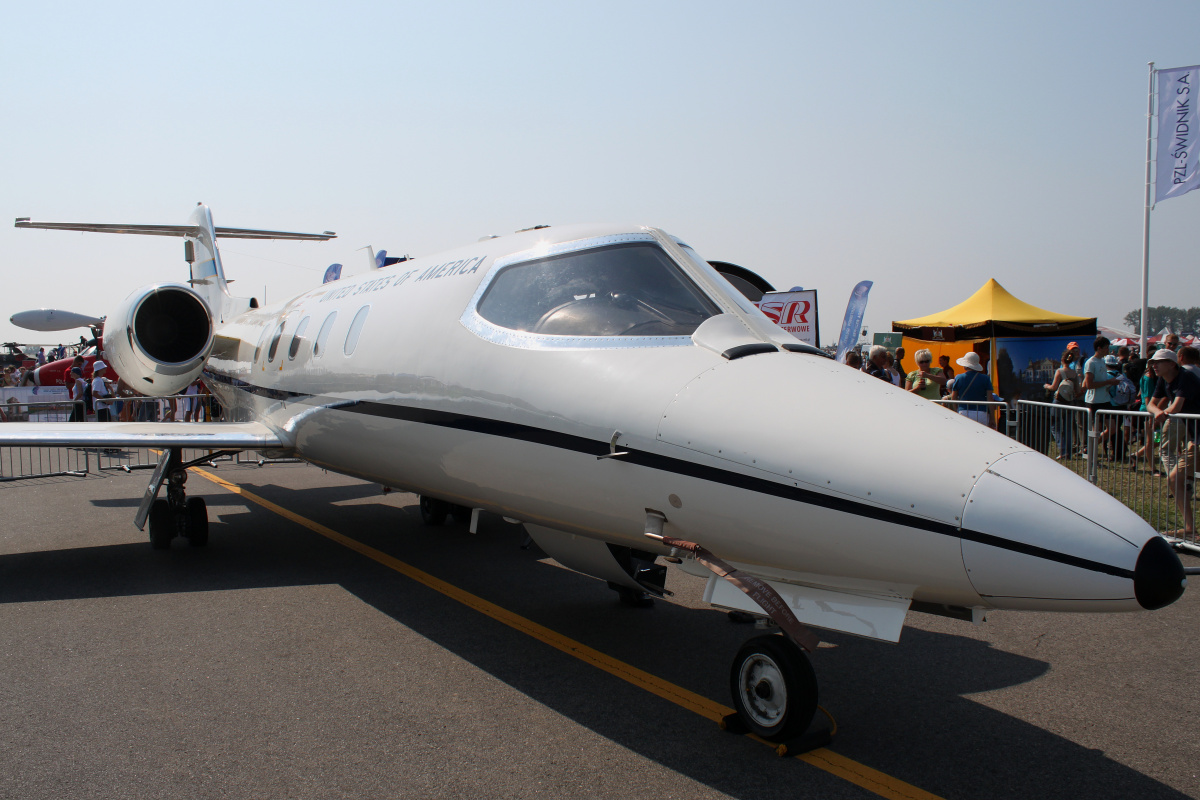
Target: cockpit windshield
{"type": "Point", "coordinates": [629, 289]}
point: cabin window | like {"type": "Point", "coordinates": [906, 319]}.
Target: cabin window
{"type": "Point", "coordinates": [297, 339]}
{"type": "Point", "coordinates": [275, 342]}
{"type": "Point", "coordinates": [262, 340]}
{"type": "Point", "coordinates": [630, 289]}
{"type": "Point", "coordinates": [356, 326]}
{"type": "Point", "coordinates": [323, 334]}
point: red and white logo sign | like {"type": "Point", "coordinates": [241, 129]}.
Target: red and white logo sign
{"type": "Point", "coordinates": [795, 312]}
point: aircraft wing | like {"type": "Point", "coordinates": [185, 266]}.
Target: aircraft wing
{"type": "Point", "coordinates": [201, 435]}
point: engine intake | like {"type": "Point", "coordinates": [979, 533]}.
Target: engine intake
{"type": "Point", "coordinates": [159, 338]}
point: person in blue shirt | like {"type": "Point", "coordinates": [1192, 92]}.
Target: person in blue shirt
{"type": "Point", "coordinates": [972, 384]}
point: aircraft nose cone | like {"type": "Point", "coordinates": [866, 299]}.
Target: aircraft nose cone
{"type": "Point", "coordinates": [1158, 578]}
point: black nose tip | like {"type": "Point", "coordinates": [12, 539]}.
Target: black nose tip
{"type": "Point", "coordinates": [1158, 577]}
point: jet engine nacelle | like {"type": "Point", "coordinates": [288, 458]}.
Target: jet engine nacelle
{"type": "Point", "coordinates": [159, 338]}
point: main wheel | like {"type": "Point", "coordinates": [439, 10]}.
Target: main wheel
{"type": "Point", "coordinates": [196, 513]}
{"type": "Point", "coordinates": [433, 512]}
{"type": "Point", "coordinates": [774, 688]}
{"type": "Point", "coordinates": [633, 598]}
{"type": "Point", "coordinates": [162, 525]}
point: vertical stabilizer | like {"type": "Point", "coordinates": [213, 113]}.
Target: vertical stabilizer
{"type": "Point", "coordinates": [208, 276]}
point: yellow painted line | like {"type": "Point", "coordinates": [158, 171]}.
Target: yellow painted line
{"type": "Point", "coordinates": [870, 779]}
{"type": "Point", "coordinates": [847, 769]}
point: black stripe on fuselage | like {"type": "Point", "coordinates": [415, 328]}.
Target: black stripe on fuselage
{"type": "Point", "coordinates": [677, 466]}
{"type": "Point", "coordinates": [691, 469]}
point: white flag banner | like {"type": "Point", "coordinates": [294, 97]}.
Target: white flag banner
{"type": "Point", "coordinates": [1178, 132]}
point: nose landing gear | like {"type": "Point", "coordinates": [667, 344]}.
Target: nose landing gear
{"type": "Point", "coordinates": [772, 682]}
{"type": "Point", "coordinates": [774, 688]}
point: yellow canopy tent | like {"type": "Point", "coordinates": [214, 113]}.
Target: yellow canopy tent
{"type": "Point", "coordinates": [1025, 333]}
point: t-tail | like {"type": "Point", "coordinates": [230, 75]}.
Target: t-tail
{"type": "Point", "coordinates": [207, 276]}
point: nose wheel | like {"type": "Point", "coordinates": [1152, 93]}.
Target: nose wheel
{"type": "Point", "coordinates": [774, 688]}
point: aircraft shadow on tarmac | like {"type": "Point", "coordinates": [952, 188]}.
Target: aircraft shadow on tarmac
{"type": "Point", "coordinates": [901, 708]}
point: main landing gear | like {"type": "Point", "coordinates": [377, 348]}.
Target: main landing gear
{"type": "Point", "coordinates": [434, 511]}
{"type": "Point", "coordinates": [177, 515]}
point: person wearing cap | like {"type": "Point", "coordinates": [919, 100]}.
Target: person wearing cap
{"type": "Point", "coordinates": [76, 388]}
{"type": "Point", "coordinates": [972, 384]}
{"type": "Point", "coordinates": [101, 388]}
{"type": "Point", "coordinates": [1177, 392]}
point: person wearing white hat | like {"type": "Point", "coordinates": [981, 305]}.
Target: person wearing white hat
{"type": "Point", "coordinates": [972, 384]}
{"type": "Point", "coordinates": [101, 387]}
{"type": "Point", "coordinates": [1177, 392]}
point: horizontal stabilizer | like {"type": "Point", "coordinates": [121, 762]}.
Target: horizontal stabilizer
{"type": "Point", "coordinates": [174, 230]}
{"type": "Point", "coordinates": [200, 435]}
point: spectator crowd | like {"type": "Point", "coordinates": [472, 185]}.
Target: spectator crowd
{"type": "Point", "coordinates": [1161, 385]}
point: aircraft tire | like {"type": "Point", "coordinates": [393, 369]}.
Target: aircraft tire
{"type": "Point", "coordinates": [196, 512]}
{"type": "Point", "coordinates": [162, 525]}
{"type": "Point", "coordinates": [433, 511]}
{"type": "Point", "coordinates": [774, 688]}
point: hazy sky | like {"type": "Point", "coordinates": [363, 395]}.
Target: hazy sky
{"type": "Point", "coordinates": [927, 147]}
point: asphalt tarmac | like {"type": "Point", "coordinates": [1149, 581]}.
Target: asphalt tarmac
{"type": "Point", "coordinates": [278, 662]}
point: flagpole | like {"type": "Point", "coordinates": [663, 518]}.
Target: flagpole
{"type": "Point", "coordinates": [1146, 219]}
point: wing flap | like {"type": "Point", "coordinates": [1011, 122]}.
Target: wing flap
{"type": "Point", "coordinates": [202, 435]}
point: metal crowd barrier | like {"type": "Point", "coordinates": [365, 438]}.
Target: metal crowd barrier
{"type": "Point", "coordinates": [1116, 451]}
{"type": "Point", "coordinates": [1153, 476]}
{"type": "Point", "coordinates": [257, 457]}
{"type": "Point", "coordinates": [1059, 431]}
{"type": "Point", "coordinates": [22, 463]}
{"type": "Point", "coordinates": [993, 413]}
{"type": "Point", "coordinates": [41, 411]}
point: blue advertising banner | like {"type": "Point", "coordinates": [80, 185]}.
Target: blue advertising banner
{"type": "Point", "coordinates": [852, 322]}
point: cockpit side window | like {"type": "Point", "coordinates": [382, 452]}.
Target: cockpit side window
{"type": "Point", "coordinates": [631, 289]}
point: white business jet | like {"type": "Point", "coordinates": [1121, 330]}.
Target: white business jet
{"type": "Point", "coordinates": [607, 387]}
